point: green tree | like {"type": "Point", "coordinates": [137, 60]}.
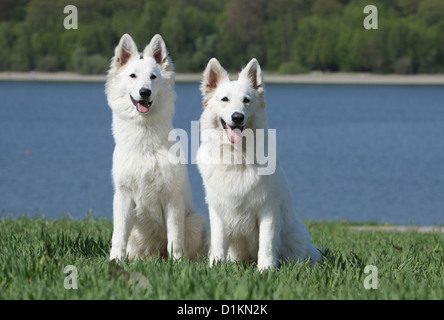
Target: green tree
{"type": "Point", "coordinates": [21, 56]}
{"type": "Point", "coordinates": [183, 24]}
{"type": "Point", "coordinates": [327, 8]}
{"type": "Point", "coordinates": [431, 11]}
{"type": "Point", "coordinates": [315, 43]}
{"type": "Point", "coordinates": [285, 35]}
{"type": "Point", "coordinates": [280, 30]}
{"type": "Point", "coordinates": [6, 43]}
{"type": "Point", "coordinates": [243, 36]}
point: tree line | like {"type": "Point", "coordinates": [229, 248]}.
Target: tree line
{"type": "Point", "coordinates": [286, 36]}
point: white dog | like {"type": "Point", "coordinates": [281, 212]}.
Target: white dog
{"type": "Point", "coordinates": [251, 214]}
{"type": "Point", "coordinates": [153, 213]}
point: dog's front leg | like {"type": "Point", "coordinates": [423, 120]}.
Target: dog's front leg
{"type": "Point", "coordinates": [123, 219]}
{"type": "Point", "coordinates": [268, 241]}
{"type": "Point", "coordinates": [175, 222]}
{"type": "Point", "coordinates": [218, 245]}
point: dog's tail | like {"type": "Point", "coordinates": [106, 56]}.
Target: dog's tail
{"type": "Point", "coordinates": [196, 235]}
{"type": "Point", "coordinates": [315, 254]}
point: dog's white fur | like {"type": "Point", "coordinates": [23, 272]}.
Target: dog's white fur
{"type": "Point", "coordinates": [251, 215]}
{"type": "Point", "coordinates": [152, 209]}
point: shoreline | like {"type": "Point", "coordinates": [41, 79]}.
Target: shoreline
{"type": "Point", "coordinates": [309, 78]}
{"type": "Point", "coordinates": [352, 226]}
{"type": "Point", "coordinates": [400, 228]}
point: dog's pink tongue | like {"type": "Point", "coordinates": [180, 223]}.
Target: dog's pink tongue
{"type": "Point", "coordinates": [235, 135]}
{"type": "Point", "coordinates": [141, 108]}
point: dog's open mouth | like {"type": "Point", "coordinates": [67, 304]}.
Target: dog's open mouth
{"type": "Point", "coordinates": [143, 106]}
{"type": "Point", "coordinates": [234, 133]}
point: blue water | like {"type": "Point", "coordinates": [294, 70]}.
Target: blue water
{"type": "Point", "coordinates": [349, 151]}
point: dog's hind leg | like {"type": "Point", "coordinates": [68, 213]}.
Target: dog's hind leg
{"type": "Point", "coordinates": [238, 250]}
{"type": "Point", "coordinates": [195, 235]}
{"type": "Point", "coordinates": [123, 220]}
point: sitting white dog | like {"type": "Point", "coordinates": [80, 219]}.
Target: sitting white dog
{"type": "Point", "coordinates": [251, 214]}
{"type": "Point", "coordinates": [153, 212]}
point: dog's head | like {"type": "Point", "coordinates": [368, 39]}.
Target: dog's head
{"type": "Point", "coordinates": [136, 80]}
{"type": "Point", "coordinates": [234, 104]}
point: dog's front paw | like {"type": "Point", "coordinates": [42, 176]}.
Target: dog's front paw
{"type": "Point", "coordinates": [267, 267]}
{"type": "Point", "coordinates": [266, 264]}
{"type": "Point", "coordinates": [176, 253]}
{"type": "Point", "coordinates": [117, 254]}
{"type": "Point", "coordinates": [214, 259]}
{"type": "Point", "coordinates": [178, 256]}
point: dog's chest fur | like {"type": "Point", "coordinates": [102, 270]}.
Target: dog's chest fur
{"type": "Point", "coordinates": [235, 192]}
{"type": "Point", "coordinates": [141, 166]}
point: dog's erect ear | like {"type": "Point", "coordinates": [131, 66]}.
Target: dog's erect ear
{"type": "Point", "coordinates": [157, 50]}
{"type": "Point", "coordinates": [253, 73]}
{"type": "Point", "coordinates": [124, 50]}
{"type": "Point", "coordinates": [212, 75]}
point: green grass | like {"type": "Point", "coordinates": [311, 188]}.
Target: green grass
{"type": "Point", "coordinates": [35, 251]}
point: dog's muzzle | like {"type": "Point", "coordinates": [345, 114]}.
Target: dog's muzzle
{"type": "Point", "coordinates": [234, 133]}
{"type": "Point", "coordinates": [143, 106]}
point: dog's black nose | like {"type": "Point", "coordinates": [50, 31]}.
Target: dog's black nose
{"type": "Point", "coordinates": [237, 117]}
{"type": "Point", "coordinates": [145, 93]}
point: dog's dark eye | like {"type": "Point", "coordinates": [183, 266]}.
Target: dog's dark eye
{"type": "Point", "coordinates": [153, 76]}
{"type": "Point", "coordinates": [225, 99]}
{"type": "Point", "coordinates": [132, 75]}
{"type": "Point", "coordinates": [246, 100]}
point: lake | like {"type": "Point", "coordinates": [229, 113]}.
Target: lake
{"type": "Point", "coordinates": [355, 152]}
